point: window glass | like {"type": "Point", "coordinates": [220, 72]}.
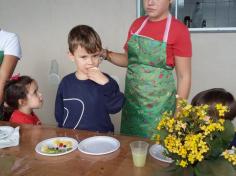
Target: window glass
{"type": "Point", "coordinates": [203, 15]}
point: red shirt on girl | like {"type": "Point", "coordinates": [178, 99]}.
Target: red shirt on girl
{"type": "Point", "coordinates": [22, 118]}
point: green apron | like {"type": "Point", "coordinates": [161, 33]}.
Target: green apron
{"type": "Point", "coordinates": [149, 87]}
{"type": "Point", "coordinates": [1, 56]}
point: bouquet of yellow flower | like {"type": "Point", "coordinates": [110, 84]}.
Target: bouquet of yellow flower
{"type": "Point", "coordinates": [197, 142]}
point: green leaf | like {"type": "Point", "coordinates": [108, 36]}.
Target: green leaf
{"type": "Point", "coordinates": [214, 168]}
{"type": "Point", "coordinates": [220, 141]}
{"type": "Point", "coordinates": [163, 133]}
{"type": "Point", "coordinates": [228, 133]}
{"type": "Point", "coordinates": [217, 146]}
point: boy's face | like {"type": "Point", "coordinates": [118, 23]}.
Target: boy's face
{"type": "Point", "coordinates": [84, 60]}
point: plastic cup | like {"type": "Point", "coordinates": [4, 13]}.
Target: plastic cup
{"type": "Point", "coordinates": [139, 152]}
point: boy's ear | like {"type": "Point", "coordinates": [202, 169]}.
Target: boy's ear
{"type": "Point", "coordinates": [71, 56]}
{"type": "Point", "coordinates": [100, 61]}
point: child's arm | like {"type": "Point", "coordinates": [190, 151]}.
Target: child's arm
{"type": "Point", "coordinates": [113, 97]}
{"type": "Point", "coordinates": [59, 107]}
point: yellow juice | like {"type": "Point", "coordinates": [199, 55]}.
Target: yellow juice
{"type": "Point", "coordinates": [139, 158]}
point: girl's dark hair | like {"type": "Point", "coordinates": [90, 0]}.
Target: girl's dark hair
{"type": "Point", "coordinates": [13, 91]}
{"type": "Point", "coordinates": [213, 96]}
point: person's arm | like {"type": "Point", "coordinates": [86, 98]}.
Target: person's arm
{"type": "Point", "coordinates": [114, 99]}
{"type": "Point", "coordinates": [119, 59]}
{"type": "Point", "coordinates": [6, 70]}
{"type": "Point", "coordinates": [183, 74]}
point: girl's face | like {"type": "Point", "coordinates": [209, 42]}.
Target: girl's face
{"type": "Point", "coordinates": [85, 60]}
{"type": "Point", "coordinates": [34, 98]}
{"type": "Point", "coordinates": [157, 9]}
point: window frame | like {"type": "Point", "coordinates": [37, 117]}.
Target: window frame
{"type": "Point", "coordinates": [205, 29]}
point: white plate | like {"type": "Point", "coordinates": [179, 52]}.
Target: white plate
{"type": "Point", "coordinates": [157, 152]}
{"type": "Point", "coordinates": [99, 145]}
{"type": "Point", "coordinates": [5, 131]}
{"type": "Point", "coordinates": [49, 143]}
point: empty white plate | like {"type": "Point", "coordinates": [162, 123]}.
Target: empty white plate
{"type": "Point", "coordinates": [99, 145]}
{"type": "Point", "coordinates": [157, 152]}
{"type": "Point", "coordinates": [5, 131]}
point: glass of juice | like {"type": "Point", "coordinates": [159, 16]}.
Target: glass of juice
{"type": "Point", "coordinates": [139, 152]}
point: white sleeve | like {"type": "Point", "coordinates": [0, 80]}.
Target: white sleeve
{"type": "Point", "coordinates": [13, 46]}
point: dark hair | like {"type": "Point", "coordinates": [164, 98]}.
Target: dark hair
{"type": "Point", "coordinates": [13, 91]}
{"type": "Point", "coordinates": [213, 96]}
{"type": "Point", "coordinates": [86, 37]}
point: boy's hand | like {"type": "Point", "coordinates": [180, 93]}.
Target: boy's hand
{"type": "Point", "coordinates": [97, 76]}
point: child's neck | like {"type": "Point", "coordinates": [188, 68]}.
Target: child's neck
{"type": "Point", "coordinates": [25, 110]}
{"type": "Point", "coordinates": [81, 76]}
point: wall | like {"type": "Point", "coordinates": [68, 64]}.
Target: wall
{"type": "Point", "coordinates": [214, 61]}
{"type": "Point", "coordinates": [43, 27]}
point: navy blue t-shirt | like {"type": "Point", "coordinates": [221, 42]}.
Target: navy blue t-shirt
{"type": "Point", "coordinates": [86, 105]}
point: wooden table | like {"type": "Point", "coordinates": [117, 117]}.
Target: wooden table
{"type": "Point", "coordinates": [23, 160]}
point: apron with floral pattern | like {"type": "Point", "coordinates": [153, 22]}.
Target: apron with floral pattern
{"type": "Point", "coordinates": [1, 56]}
{"type": "Point", "coordinates": [150, 86]}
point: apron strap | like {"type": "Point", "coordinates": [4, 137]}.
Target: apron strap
{"type": "Point", "coordinates": [167, 29]}
{"type": "Point", "coordinates": [141, 27]}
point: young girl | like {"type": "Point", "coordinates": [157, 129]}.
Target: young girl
{"type": "Point", "coordinates": [21, 96]}
{"type": "Point", "coordinates": [214, 96]}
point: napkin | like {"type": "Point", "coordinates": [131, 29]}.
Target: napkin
{"type": "Point", "coordinates": [12, 140]}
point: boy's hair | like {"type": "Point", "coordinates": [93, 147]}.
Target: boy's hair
{"type": "Point", "coordinates": [213, 96]}
{"type": "Point", "coordinates": [13, 91]}
{"type": "Point", "coordinates": [86, 37]}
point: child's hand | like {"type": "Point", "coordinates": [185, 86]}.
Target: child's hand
{"type": "Point", "coordinates": [97, 76]}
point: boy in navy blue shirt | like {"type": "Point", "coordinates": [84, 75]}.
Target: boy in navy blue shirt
{"type": "Point", "coordinates": [86, 97]}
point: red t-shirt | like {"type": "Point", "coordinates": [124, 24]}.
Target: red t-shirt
{"type": "Point", "coordinates": [22, 118]}
{"type": "Point", "coordinates": [178, 43]}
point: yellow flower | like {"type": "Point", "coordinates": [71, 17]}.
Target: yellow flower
{"type": "Point", "coordinates": [183, 163]}
{"type": "Point", "coordinates": [187, 137]}
{"type": "Point", "coordinates": [221, 109]}
{"type": "Point", "coordinates": [207, 119]}
{"type": "Point", "coordinates": [230, 155]}
{"type": "Point", "coordinates": [158, 138]}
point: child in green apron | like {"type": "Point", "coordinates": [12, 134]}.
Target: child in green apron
{"type": "Point", "coordinates": [156, 44]}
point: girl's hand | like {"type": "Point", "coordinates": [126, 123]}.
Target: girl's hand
{"type": "Point", "coordinates": [97, 76]}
